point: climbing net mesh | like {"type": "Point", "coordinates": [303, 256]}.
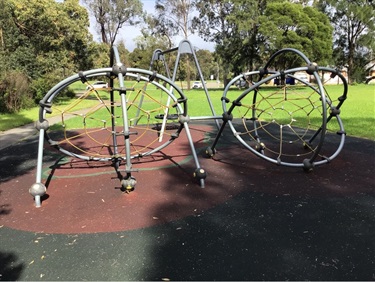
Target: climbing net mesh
{"type": "Point", "coordinates": [284, 121]}
{"type": "Point", "coordinates": [85, 121]}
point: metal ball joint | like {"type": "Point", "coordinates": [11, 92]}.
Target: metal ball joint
{"type": "Point", "coordinates": [260, 147]}
{"type": "Point", "coordinates": [128, 184]}
{"type": "Point", "coordinates": [307, 165]}
{"type": "Point", "coordinates": [210, 152]}
{"type": "Point", "coordinates": [37, 190]}
{"type": "Point", "coordinates": [182, 119]}
{"type": "Point", "coordinates": [42, 125]}
{"type": "Point", "coordinates": [200, 173]}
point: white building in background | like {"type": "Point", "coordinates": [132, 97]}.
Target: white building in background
{"type": "Point", "coordinates": [324, 76]}
{"type": "Point", "coordinates": [370, 79]}
{"type": "Point", "coordinates": [327, 79]}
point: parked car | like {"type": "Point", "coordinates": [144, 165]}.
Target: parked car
{"type": "Point", "coordinates": [197, 84]}
{"type": "Point", "coordinates": [278, 81]}
{"type": "Point", "coordinates": [97, 85]}
{"type": "Point", "coordinates": [241, 83]}
{"type": "Point", "coordinates": [302, 78]}
{"type": "Point", "coordinates": [288, 80]}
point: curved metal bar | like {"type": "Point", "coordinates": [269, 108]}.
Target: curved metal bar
{"type": "Point", "coordinates": [174, 93]}
{"type": "Point", "coordinates": [105, 72]}
{"type": "Point", "coordinates": [344, 82]}
{"type": "Point", "coordinates": [131, 73]}
{"type": "Point", "coordinates": [285, 50]}
{"type": "Point", "coordinates": [179, 100]}
{"type": "Point", "coordinates": [334, 108]}
{"type": "Point", "coordinates": [319, 89]}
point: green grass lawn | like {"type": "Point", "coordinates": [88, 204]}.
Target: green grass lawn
{"type": "Point", "coordinates": [357, 113]}
{"type": "Point", "coordinates": [9, 121]}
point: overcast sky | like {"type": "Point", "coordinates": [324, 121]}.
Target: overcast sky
{"type": "Point", "coordinates": [129, 33]}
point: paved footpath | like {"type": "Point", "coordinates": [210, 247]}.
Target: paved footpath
{"type": "Point", "coordinates": [16, 135]}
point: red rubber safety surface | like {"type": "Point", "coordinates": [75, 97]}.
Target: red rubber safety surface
{"type": "Point", "coordinates": [86, 197]}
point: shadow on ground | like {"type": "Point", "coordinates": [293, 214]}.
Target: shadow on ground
{"type": "Point", "coordinates": [284, 225]}
{"type": "Point", "coordinates": [256, 236]}
{"type": "Point", "coordinates": [275, 223]}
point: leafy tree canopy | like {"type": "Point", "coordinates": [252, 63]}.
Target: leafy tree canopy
{"type": "Point", "coordinates": [354, 30]}
{"type": "Point", "coordinates": [247, 32]}
{"type": "Point", "coordinates": [39, 36]}
{"type": "Point", "coordinates": [288, 25]}
{"type": "Point", "coordinates": [112, 15]}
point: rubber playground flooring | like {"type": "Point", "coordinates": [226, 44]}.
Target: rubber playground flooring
{"type": "Point", "coordinates": [252, 221]}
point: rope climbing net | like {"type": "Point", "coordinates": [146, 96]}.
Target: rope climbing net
{"type": "Point", "coordinates": [91, 125]}
{"type": "Point", "coordinates": [117, 114]}
{"type": "Point", "coordinates": [284, 116]}
{"type": "Point", "coordinates": [127, 113]}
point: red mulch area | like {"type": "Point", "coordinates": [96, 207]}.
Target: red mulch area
{"type": "Point", "coordinates": [85, 197]}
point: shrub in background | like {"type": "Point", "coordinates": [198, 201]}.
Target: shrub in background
{"type": "Point", "coordinates": [15, 92]}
